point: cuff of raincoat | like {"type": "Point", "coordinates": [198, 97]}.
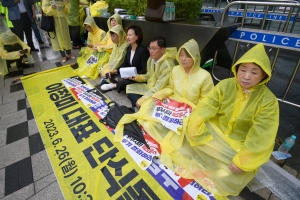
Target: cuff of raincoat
{"type": "Point", "coordinates": [162, 94]}
{"type": "Point", "coordinates": [201, 136]}
{"type": "Point", "coordinates": [100, 49]}
{"type": "Point", "coordinates": [236, 160]}
{"type": "Point", "coordinates": [139, 78]}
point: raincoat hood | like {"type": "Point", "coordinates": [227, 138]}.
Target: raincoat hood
{"type": "Point", "coordinates": [117, 17]}
{"type": "Point", "coordinates": [169, 53]}
{"type": "Point", "coordinates": [118, 29]}
{"type": "Point", "coordinates": [89, 20]}
{"type": "Point", "coordinates": [193, 49]}
{"type": "Point", "coordinates": [8, 38]}
{"type": "Point", "coordinates": [257, 55]}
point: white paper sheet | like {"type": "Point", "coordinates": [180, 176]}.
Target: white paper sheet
{"type": "Point", "coordinates": [126, 72]}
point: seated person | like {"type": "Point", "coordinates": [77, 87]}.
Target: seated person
{"type": "Point", "coordinates": [10, 51]}
{"type": "Point", "coordinates": [136, 56]}
{"type": "Point", "coordinates": [232, 131]}
{"type": "Point", "coordinates": [188, 83]}
{"type": "Point", "coordinates": [159, 66]}
{"type": "Point", "coordinates": [118, 36]}
{"type": "Point", "coordinates": [106, 44]}
{"type": "Point", "coordinates": [95, 36]}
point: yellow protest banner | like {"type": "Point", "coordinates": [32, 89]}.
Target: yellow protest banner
{"type": "Point", "coordinates": [86, 161]}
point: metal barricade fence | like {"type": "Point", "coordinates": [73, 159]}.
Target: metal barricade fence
{"type": "Point", "coordinates": [285, 38]}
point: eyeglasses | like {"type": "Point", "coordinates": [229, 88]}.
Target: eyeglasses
{"type": "Point", "coordinates": [153, 49]}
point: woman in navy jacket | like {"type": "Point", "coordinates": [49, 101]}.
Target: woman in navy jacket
{"type": "Point", "coordinates": [136, 56]}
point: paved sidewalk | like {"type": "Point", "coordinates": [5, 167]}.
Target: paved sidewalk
{"type": "Point", "coordinates": [25, 170]}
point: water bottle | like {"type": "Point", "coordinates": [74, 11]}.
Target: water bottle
{"type": "Point", "coordinates": [165, 14]}
{"type": "Point", "coordinates": [167, 10]}
{"type": "Point", "coordinates": [287, 144]}
{"type": "Point", "coordinates": [172, 11]}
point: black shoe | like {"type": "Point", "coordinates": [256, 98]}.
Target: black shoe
{"type": "Point", "coordinates": [41, 42]}
{"type": "Point", "coordinates": [34, 49]}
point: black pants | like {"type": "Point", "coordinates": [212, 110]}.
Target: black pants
{"type": "Point", "coordinates": [23, 25]}
{"type": "Point", "coordinates": [63, 54]}
{"type": "Point", "coordinates": [75, 35]}
{"type": "Point", "coordinates": [133, 98]}
{"type": "Point", "coordinates": [122, 84]}
{"type": "Point", "coordinates": [11, 48]}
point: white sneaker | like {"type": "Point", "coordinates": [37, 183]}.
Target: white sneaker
{"type": "Point", "coordinates": [107, 86]}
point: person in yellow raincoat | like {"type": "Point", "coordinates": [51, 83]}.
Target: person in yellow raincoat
{"type": "Point", "coordinates": [107, 44]}
{"type": "Point", "coordinates": [95, 36]}
{"type": "Point", "coordinates": [60, 38]}
{"type": "Point", "coordinates": [188, 83]}
{"type": "Point", "coordinates": [159, 66]}
{"type": "Point", "coordinates": [117, 56]}
{"type": "Point", "coordinates": [232, 131]}
{"type": "Point", "coordinates": [10, 46]}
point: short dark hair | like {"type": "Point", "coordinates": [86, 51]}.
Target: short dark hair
{"type": "Point", "coordinates": [137, 31]}
{"type": "Point", "coordinates": [161, 41]}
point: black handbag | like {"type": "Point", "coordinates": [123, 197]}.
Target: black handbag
{"type": "Point", "coordinates": [47, 24]}
{"type": "Point", "coordinates": [115, 114]}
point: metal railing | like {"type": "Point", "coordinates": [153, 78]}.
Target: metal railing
{"type": "Point", "coordinates": [289, 24]}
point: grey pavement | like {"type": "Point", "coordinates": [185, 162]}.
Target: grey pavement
{"type": "Point", "coordinates": [21, 150]}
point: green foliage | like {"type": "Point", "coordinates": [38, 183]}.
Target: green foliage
{"type": "Point", "coordinates": [133, 7]}
{"type": "Point", "coordinates": [184, 8]}
{"type": "Point", "coordinates": [187, 8]}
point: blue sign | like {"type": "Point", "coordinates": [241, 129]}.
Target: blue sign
{"type": "Point", "coordinates": [256, 15]}
{"type": "Point", "coordinates": [211, 10]}
{"type": "Point", "coordinates": [290, 41]}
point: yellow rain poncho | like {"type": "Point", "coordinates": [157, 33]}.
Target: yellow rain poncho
{"type": "Point", "coordinates": [61, 34]}
{"type": "Point", "coordinates": [157, 77]}
{"type": "Point", "coordinates": [119, 51]}
{"type": "Point", "coordinates": [73, 15]}
{"type": "Point", "coordinates": [94, 38]}
{"type": "Point", "coordinates": [230, 125]}
{"type": "Point", "coordinates": [188, 88]}
{"type": "Point", "coordinates": [107, 44]}
{"type": "Point", "coordinates": [82, 15]}
{"type": "Point", "coordinates": [9, 38]}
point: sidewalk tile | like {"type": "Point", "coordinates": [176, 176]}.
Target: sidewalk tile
{"type": "Point", "coordinates": [13, 119]}
{"type": "Point", "coordinates": [3, 134]}
{"type": "Point", "coordinates": [2, 183]}
{"type": "Point", "coordinates": [41, 166]}
{"type": "Point", "coordinates": [8, 108]}
{"type": "Point", "coordinates": [52, 192]}
{"type": "Point", "coordinates": [13, 96]}
{"type": "Point", "coordinates": [44, 182]}
{"type": "Point", "coordinates": [21, 194]}
{"type": "Point", "coordinates": [14, 152]}
{"type": "Point", "coordinates": [32, 127]}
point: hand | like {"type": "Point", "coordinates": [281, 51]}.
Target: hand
{"type": "Point", "coordinates": [235, 169]}
{"type": "Point", "coordinates": [53, 6]}
{"type": "Point", "coordinates": [20, 54]}
{"type": "Point", "coordinates": [131, 78]}
{"type": "Point", "coordinates": [137, 105]}
{"type": "Point", "coordinates": [112, 73]}
{"type": "Point", "coordinates": [33, 17]}
{"type": "Point", "coordinates": [17, 1]}
{"type": "Point", "coordinates": [89, 45]}
{"type": "Point", "coordinates": [155, 99]}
